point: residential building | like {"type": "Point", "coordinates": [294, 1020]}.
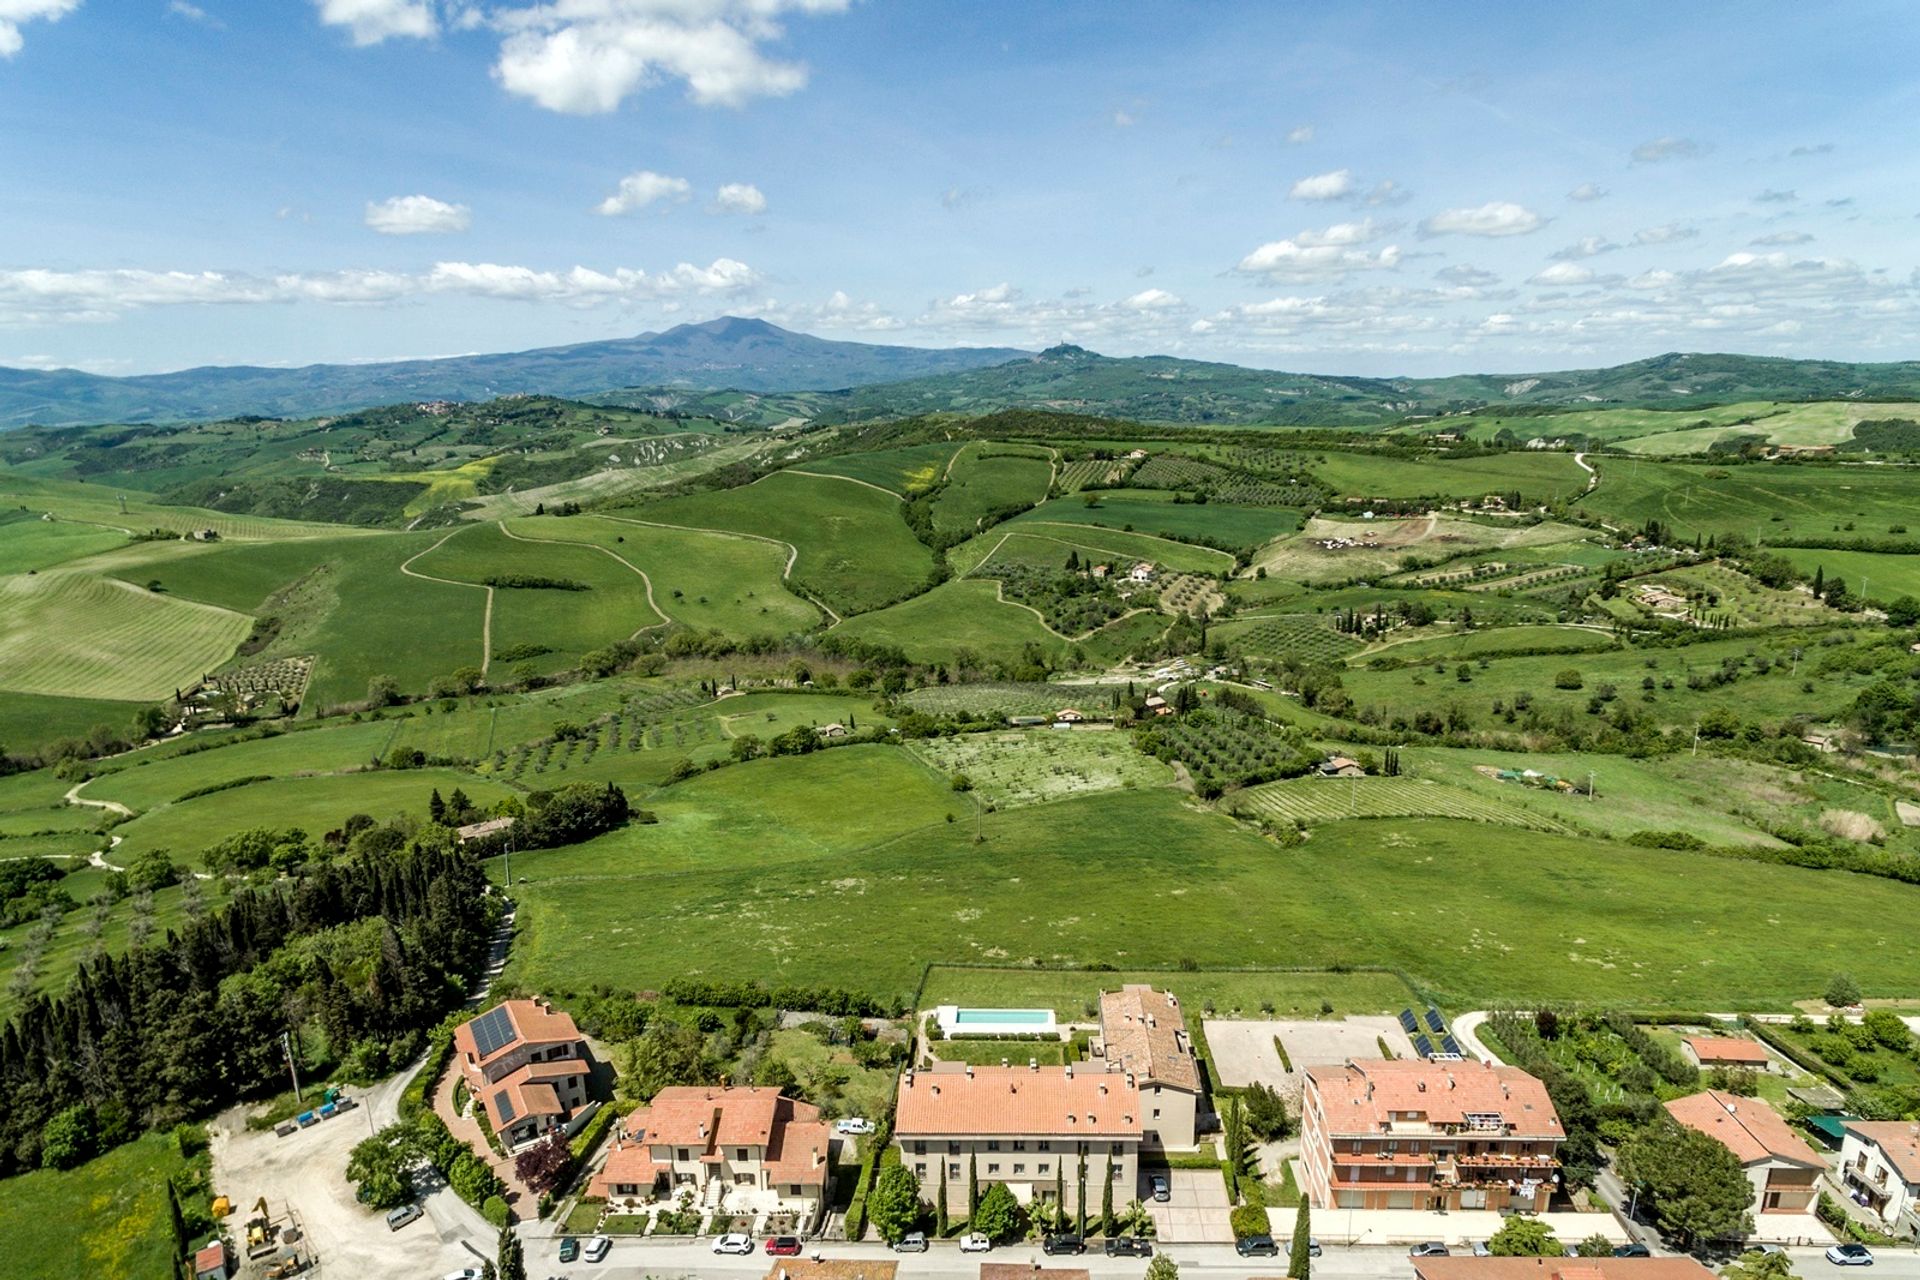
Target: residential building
{"type": "Point", "coordinates": [1144, 1034]}
{"type": "Point", "coordinates": [735, 1148]}
{"type": "Point", "coordinates": [1783, 1169]}
{"type": "Point", "coordinates": [1465, 1268]}
{"type": "Point", "coordinates": [1881, 1160]}
{"type": "Point", "coordinates": [1726, 1051]}
{"type": "Point", "coordinates": [1412, 1134]}
{"type": "Point", "coordinates": [1030, 1271]}
{"type": "Point", "coordinates": [832, 1269]}
{"type": "Point", "coordinates": [1029, 1127]}
{"type": "Point", "coordinates": [527, 1067]}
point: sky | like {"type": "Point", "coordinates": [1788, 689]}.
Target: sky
{"type": "Point", "coordinates": [1345, 188]}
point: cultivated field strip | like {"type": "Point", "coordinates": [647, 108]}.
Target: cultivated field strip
{"type": "Point", "coordinates": [1317, 800]}
{"type": "Point", "coordinates": [71, 635]}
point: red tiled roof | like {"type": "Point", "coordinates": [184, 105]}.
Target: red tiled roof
{"type": "Point", "coordinates": [831, 1269]}
{"type": "Point", "coordinates": [1748, 1127]}
{"type": "Point", "coordinates": [1044, 1101]}
{"type": "Point", "coordinates": [1144, 1032]}
{"type": "Point", "coordinates": [628, 1164]}
{"type": "Point", "coordinates": [799, 1154]}
{"type": "Point", "coordinates": [533, 1023]}
{"type": "Point", "coordinates": [1899, 1140]}
{"type": "Point", "coordinates": [1728, 1049]}
{"type": "Point", "coordinates": [210, 1257]}
{"type": "Point", "coordinates": [695, 1116]}
{"type": "Point", "coordinates": [1362, 1097]}
{"type": "Point", "coordinates": [1030, 1271]}
{"type": "Point", "coordinates": [1559, 1269]}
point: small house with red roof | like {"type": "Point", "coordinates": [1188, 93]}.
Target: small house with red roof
{"type": "Point", "coordinates": [1726, 1051]}
{"type": "Point", "coordinates": [526, 1066]}
{"type": "Point", "coordinates": [1784, 1170]}
{"type": "Point", "coordinates": [738, 1149]}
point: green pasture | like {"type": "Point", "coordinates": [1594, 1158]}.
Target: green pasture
{"type": "Point", "coordinates": [854, 548]}
{"type": "Point", "coordinates": [1770, 501]}
{"type": "Point", "coordinates": [1877, 575]}
{"type": "Point", "coordinates": [1070, 993]}
{"type": "Point", "coordinates": [1034, 766]}
{"type": "Point", "coordinates": [903, 470]}
{"type": "Point", "coordinates": [1474, 912]}
{"type": "Point", "coordinates": [1429, 645]}
{"type": "Point", "coordinates": [131, 512]}
{"type": "Point", "coordinates": [1150, 512]}
{"type": "Point", "coordinates": [106, 1218]}
{"type": "Point", "coordinates": [962, 613]}
{"type": "Point", "coordinates": [1314, 801]}
{"type": "Point", "coordinates": [31, 721]}
{"type": "Point", "coordinates": [1538, 476]}
{"type": "Point", "coordinates": [1382, 547]}
{"type": "Point", "coordinates": [1823, 423]}
{"type": "Point", "coordinates": [1011, 699]}
{"type": "Point", "coordinates": [985, 478]}
{"type": "Point", "coordinates": [28, 546]}
{"type": "Point", "coordinates": [1049, 543]}
{"type": "Point", "coordinates": [69, 634]}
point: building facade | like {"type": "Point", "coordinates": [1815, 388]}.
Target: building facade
{"type": "Point", "coordinates": [1409, 1134]}
{"type": "Point", "coordinates": [1032, 1128]}
{"type": "Point", "coordinates": [526, 1066]}
{"type": "Point", "coordinates": [733, 1147]}
{"type": "Point", "coordinates": [1880, 1159]}
{"type": "Point", "coordinates": [1784, 1170]}
{"type": "Point", "coordinates": [1144, 1033]}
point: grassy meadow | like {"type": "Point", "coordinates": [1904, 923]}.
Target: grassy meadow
{"type": "Point", "coordinates": [106, 1218]}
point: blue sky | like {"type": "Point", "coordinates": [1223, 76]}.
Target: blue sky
{"type": "Point", "coordinates": [1333, 187]}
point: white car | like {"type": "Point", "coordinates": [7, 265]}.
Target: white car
{"type": "Point", "coordinates": [464, 1273]}
{"type": "Point", "coordinates": [734, 1242]}
{"type": "Point", "coordinates": [853, 1125]}
{"type": "Point", "coordinates": [596, 1249]}
{"type": "Point", "coordinates": [975, 1243]}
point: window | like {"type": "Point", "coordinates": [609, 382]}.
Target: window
{"type": "Point", "coordinates": [684, 1154]}
{"type": "Point", "coordinates": [1117, 1171]}
{"type": "Point", "coordinates": [1046, 1168]}
{"type": "Point", "coordinates": [1019, 1169]}
{"type": "Point", "coordinates": [1019, 1145]}
{"type": "Point", "coordinates": [953, 1170]}
{"type": "Point", "coordinates": [993, 1168]}
{"type": "Point", "coordinates": [920, 1170]}
{"type": "Point", "coordinates": [993, 1144]}
{"type": "Point", "coordinates": [740, 1154]}
{"type": "Point", "coordinates": [1156, 1113]}
{"type": "Point", "coordinates": [953, 1148]}
{"type": "Point", "coordinates": [1046, 1146]}
{"type": "Point", "coordinates": [919, 1148]}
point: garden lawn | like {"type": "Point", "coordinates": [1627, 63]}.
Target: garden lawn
{"type": "Point", "coordinates": [1144, 879]}
{"type": "Point", "coordinates": [106, 1218]}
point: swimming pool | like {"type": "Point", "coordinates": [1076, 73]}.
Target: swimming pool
{"type": "Point", "coordinates": [989, 1022]}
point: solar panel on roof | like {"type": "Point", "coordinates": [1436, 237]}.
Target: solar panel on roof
{"type": "Point", "coordinates": [503, 1107]}
{"type": "Point", "coordinates": [491, 1030]}
{"type": "Point", "coordinates": [1408, 1021]}
{"type": "Point", "coordinates": [1434, 1021]}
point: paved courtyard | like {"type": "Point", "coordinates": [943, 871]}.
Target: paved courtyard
{"type": "Point", "coordinates": [1243, 1051]}
{"type": "Point", "coordinates": [1197, 1211]}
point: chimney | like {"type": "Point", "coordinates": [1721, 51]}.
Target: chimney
{"type": "Point", "coordinates": [1421, 1086]}
{"type": "Point", "coordinates": [935, 1089]}
{"type": "Point", "coordinates": [969, 1071]}
{"type": "Point", "coordinates": [909, 1079]}
{"type": "Point", "coordinates": [1069, 1071]}
{"type": "Point", "coordinates": [1033, 1064]}
{"type": "Point", "coordinates": [1003, 1064]}
{"type": "Point", "coordinates": [1103, 1090]}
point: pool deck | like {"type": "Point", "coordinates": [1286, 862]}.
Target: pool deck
{"type": "Point", "coordinates": [954, 1021]}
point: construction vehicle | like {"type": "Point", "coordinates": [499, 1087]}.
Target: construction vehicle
{"type": "Point", "coordinates": [263, 1234]}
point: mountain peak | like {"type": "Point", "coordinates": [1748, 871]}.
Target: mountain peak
{"type": "Point", "coordinates": [724, 329]}
{"type": "Point", "coordinates": [1065, 351]}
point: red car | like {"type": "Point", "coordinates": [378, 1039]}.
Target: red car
{"type": "Point", "coordinates": [784, 1246]}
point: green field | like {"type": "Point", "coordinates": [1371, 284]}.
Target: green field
{"type": "Point", "coordinates": [73, 938]}
{"type": "Point", "coordinates": [29, 546]}
{"type": "Point", "coordinates": [1877, 575]}
{"type": "Point", "coordinates": [1537, 476]}
{"type": "Point", "coordinates": [1032, 766]}
{"type": "Point", "coordinates": [1307, 636]}
{"type": "Point", "coordinates": [1429, 645]}
{"type": "Point", "coordinates": [1071, 994]}
{"type": "Point", "coordinates": [1010, 699]}
{"type": "Point", "coordinates": [854, 549]}
{"type": "Point", "coordinates": [1313, 801]}
{"type": "Point", "coordinates": [1769, 501]}
{"type": "Point", "coordinates": [965, 613]}
{"type": "Point", "coordinates": [985, 478]}
{"type": "Point", "coordinates": [1049, 543]}
{"type": "Point", "coordinates": [1150, 511]}
{"type": "Point", "coordinates": [915, 466]}
{"type": "Point", "coordinates": [68, 634]}
{"type": "Point", "coordinates": [106, 1218]}
{"type": "Point", "coordinates": [1382, 547]}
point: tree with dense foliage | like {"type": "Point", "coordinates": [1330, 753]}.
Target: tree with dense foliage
{"type": "Point", "coordinates": [1233, 1144]}
{"type": "Point", "coordinates": [1842, 991]}
{"type": "Point", "coordinates": [1106, 1199]}
{"type": "Point", "coordinates": [1525, 1238]}
{"type": "Point", "coordinates": [1300, 1256]}
{"type": "Point", "coordinates": [1595, 1246]}
{"type": "Point", "coordinates": [511, 1263]}
{"type": "Point", "coordinates": [379, 1172]}
{"type": "Point", "coordinates": [1163, 1268]}
{"type": "Point", "coordinates": [1760, 1266]}
{"type": "Point", "coordinates": [544, 1166]}
{"type": "Point", "coordinates": [1266, 1112]}
{"type": "Point", "coordinates": [940, 1204]}
{"type": "Point", "coordinates": [666, 1053]}
{"type": "Point", "coordinates": [70, 1138]}
{"type": "Point", "coordinates": [997, 1216]}
{"type": "Point", "coordinates": [893, 1206]}
{"type": "Point", "coordinates": [1698, 1188]}
{"type": "Point", "coordinates": [973, 1190]}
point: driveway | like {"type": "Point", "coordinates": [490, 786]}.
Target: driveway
{"type": "Point", "coordinates": [1244, 1054]}
{"type": "Point", "coordinates": [1196, 1212]}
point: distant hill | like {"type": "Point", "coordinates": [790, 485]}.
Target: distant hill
{"type": "Point", "coordinates": [730, 352]}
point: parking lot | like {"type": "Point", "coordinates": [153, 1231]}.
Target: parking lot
{"type": "Point", "coordinates": [1243, 1051]}
{"type": "Point", "coordinates": [1196, 1211]}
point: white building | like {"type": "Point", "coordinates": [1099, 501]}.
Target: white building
{"type": "Point", "coordinates": [1881, 1159]}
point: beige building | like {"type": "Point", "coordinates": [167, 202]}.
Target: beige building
{"type": "Point", "coordinates": [1784, 1170]}
{"type": "Point", "coordinates": [1408, 1134]}
{"type": "Point", "coordinates": [738, 1149]}
{"type": "Point", "coordinates": [1144, 1034]}
{"type": "Point", "coordinates": [1028, 1127]}
{"type": "Point", "coordinates": [526, 1066]}
{"type": "Point", "coordinates": [1881, 1159]}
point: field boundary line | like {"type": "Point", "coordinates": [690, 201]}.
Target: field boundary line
{"type": "Point", "coordinates": [563, 542]}
{"type": "Point", "coordinates": [486, 619]}
{"type": "Point", "coordinates": [1000, 594]}
{"type": "Point", "coordinates": [1130, 533]}
{"type": "Point", "coordinates": [828, 475]}
{"type": "Point", "coordinates": [786, 574]}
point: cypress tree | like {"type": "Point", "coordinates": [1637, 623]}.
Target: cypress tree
{"type": "Point", "coordinates": [1300, 1260]}
{"type": "Point", "coordinates": [973, 1187]}
{"type": "Point", "coordinates": [513, 1261]}
{"type": "Point", "coordinates": [940, 1204]}
{"type": "Point", "coordinates": [1080, 1203]}
{"type": "Point", "coordinates": [1106, 1199]}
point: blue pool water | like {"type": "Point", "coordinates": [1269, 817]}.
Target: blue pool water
{"type": "Point", "coordinates": [1033, 1017]}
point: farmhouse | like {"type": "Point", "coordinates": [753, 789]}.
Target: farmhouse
{"type": "Point", "coordinates": [526, 1065]}
{"type": "Point", "coordinates": [1027, 1127]}
{"type": "Point", "coordinates": [1783, 1169]}
{"type": "Point", "coordinates": [1880, 1159]}
{"type": "Point", "coordinates": [738, 1149]}
{"type": "Point", "coordinates": [481, 830]}
{"type": "Point", "coordinates": [1142, 572]}
{"type": "Point", "coordinates": [1726, 1051]}
{"type": "Point", "coordinates": [1068, 715]}
{"type": "Point", "coordinates": [835, 730]}
{"type": "Point", "coordinates": [1342, 767]}
{"type": "Point", "coordinates": [1463, 1268]}
{"type": "Point", "coordinates": [1408, 1134]}
{"type": "Point", "coordinates": [1144, 1034]}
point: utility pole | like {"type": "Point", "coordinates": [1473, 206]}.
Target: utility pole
{"type": "Point", "coordinates": [1696, 740]}
{"type": "Point", "coordinates": [286, 1047]}
{"type": "Point", "coordinates": [1590, 778]}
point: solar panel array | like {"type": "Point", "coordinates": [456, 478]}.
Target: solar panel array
{"type": "Point", "coordinates": [503, 1106]}
{"type": "Point", "coordinates": [492, 1030]}
{"type": "Point", "coordinates": [1423, 1046]}
{"type": "Point", "coordinates": [1450, 1045]}
{"type": "Point", "coordinates": [1407, 1020]}
{"type": "Point", "coordinates": [1434, 1022]}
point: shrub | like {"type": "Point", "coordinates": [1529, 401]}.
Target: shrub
{"type": "Point", "coordinates": [1250, 1220]}
{"type": "Point", "coordinates": [495, 1211]}
{"type": "Point", "coordinates": [1568, 679]}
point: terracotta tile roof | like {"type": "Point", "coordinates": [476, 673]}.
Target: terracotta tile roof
{"type": "Point", "coordinates": [1898, 1139]}
{"type": "Point", "coordinates": [1748, 1127]}
{"type": "Point", "coordinates": [1028, 1271]}
{"type": "Point", "coordinates": [532, 1022]}
{"type": "Point", "coordinates": [1728, 1049]}
{"type": "Point", "coordinates": [1559, 1269]}
{"type": "Point", "coordinates": [1145, 1033]}
{"type": "Point", "coordinates": [628, 1164]}
{"type": "Point", "coordinates": [558, 1069]}
{"type": "Point", "coordinates": [1043, 1101]}
{"type": "Point", "coordinates": [210, 1257]}
{"type": "Point", "coordinates": [697, 1116]}
{"type": "Point", "coordinates": [1364, 1097]}
{"type": "Point", "coordinates": [831, 1269]}
{"type": "Point", "coordinates": [799, 1154]}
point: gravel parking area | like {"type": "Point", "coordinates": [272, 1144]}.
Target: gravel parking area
{"type": "Point", "coordinates": [1243, 1052]}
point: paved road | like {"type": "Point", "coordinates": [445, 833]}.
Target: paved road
{"type": "Point", "coordinates": [1466, 1029]}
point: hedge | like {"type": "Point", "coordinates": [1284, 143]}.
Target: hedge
{"type": "Point", "coordinates": [583, 1142]}
{"type": "Point", "coordinates": [751, 995]}
{"type": "Point", "coordinates": [1250, 1220]}
{"type": "Point", "coordinates": [413, 1099]}
{"type": "Point", "coordinates": [879, 1147]}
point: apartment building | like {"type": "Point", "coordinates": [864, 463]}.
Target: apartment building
{"type": "Point", "coordinates": [1144, 1033]}
{"type": "Point", "coordinates": [1784, 1170]}
{"type": "Point", "coordinates": [526, 1065]}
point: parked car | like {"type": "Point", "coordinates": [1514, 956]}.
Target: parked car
{"type": "Point", "coordinates": [853, 1125]}
{"type": "Point", "coordinates": [975, 1243]}
{"type": "Point", "coordinates": [464, 1273]}
{"type": "Point", "coordinates": [569, 1249]}
{"type": "Point", "coordinates": [1634, 1250]}
{"type": "Point", "coordinates": [734, 1242]}
{"type": "Point", "coordinates": [1850, 1255]}
{"type": "Point", "coordinates": [912, 1242]}
{"type": "Point", "coordinates": [596, 1249]}
{"type": "Point", "coordinates": [1129, 1247]}
{"type": "Point", "coordinates": [1158, 1187]}
{"type": "Point", "coordinates": [1065, 1242]}
{"type": "Point", "coordinates": [1430, 1249]}
{"type": "Point", "coordinates": [1313, 1247]}
{"type": "Point", "coordinates": [1481, 1248]}
{"type": "Point", "coordinates": [1256, 1247]}
{"type": "Point", "coordinates": [783, 1246]}
{"type": "Point", "coordinates": [1767, 1248]}
{"type": "Point", "coordinates": [398, 1218]}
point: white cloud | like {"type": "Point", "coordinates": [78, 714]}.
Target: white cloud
{"type": "Point", "coordinates": [417, 215]}
{"type": "Point", "coordinates": [194, 13]}
{"type": "Point", "coordinates": [1657, 150]}
{"type": "Point", "coordinates": [1300, 134]}
{"type": "Point", "coordinates": [1783, 237]}
{"type": "Point", "coordinates": [641, 188]}
{"type": "Point", "coordinates": [1495, 218]}
{"type": "Point", "coordinates": [1387, 191]}
{"type": "Point", "coordinates": [1585, 247]}
{"type": "Point", "coordinates": [1330, 253]}
{"type": "Point", "coordinates": [1587, 191]}
{"type": "Point", "coordinates": [739, 197]}
{"type": "Point", "coordinates": [1124, 119]}
{"type": "Point", "coordinates": [1564, 273]}
{"type": "Point", "coordinates": [16, 13]}
{"type": "Point", "coordinates": [38, 296]}
{"type": "Point", "coordinates": [372, 21]}
{"type": "Point", "coordinates": [1770, 196]}
{"type": "Point", "coordinates": [1667, 233]}
{"type": "Point", "coordinates": [1152, 300]}
{"type": "Point", "coordinates": [1324, 186]}
{"type": "Point", "coordinates": [1462, 275]}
